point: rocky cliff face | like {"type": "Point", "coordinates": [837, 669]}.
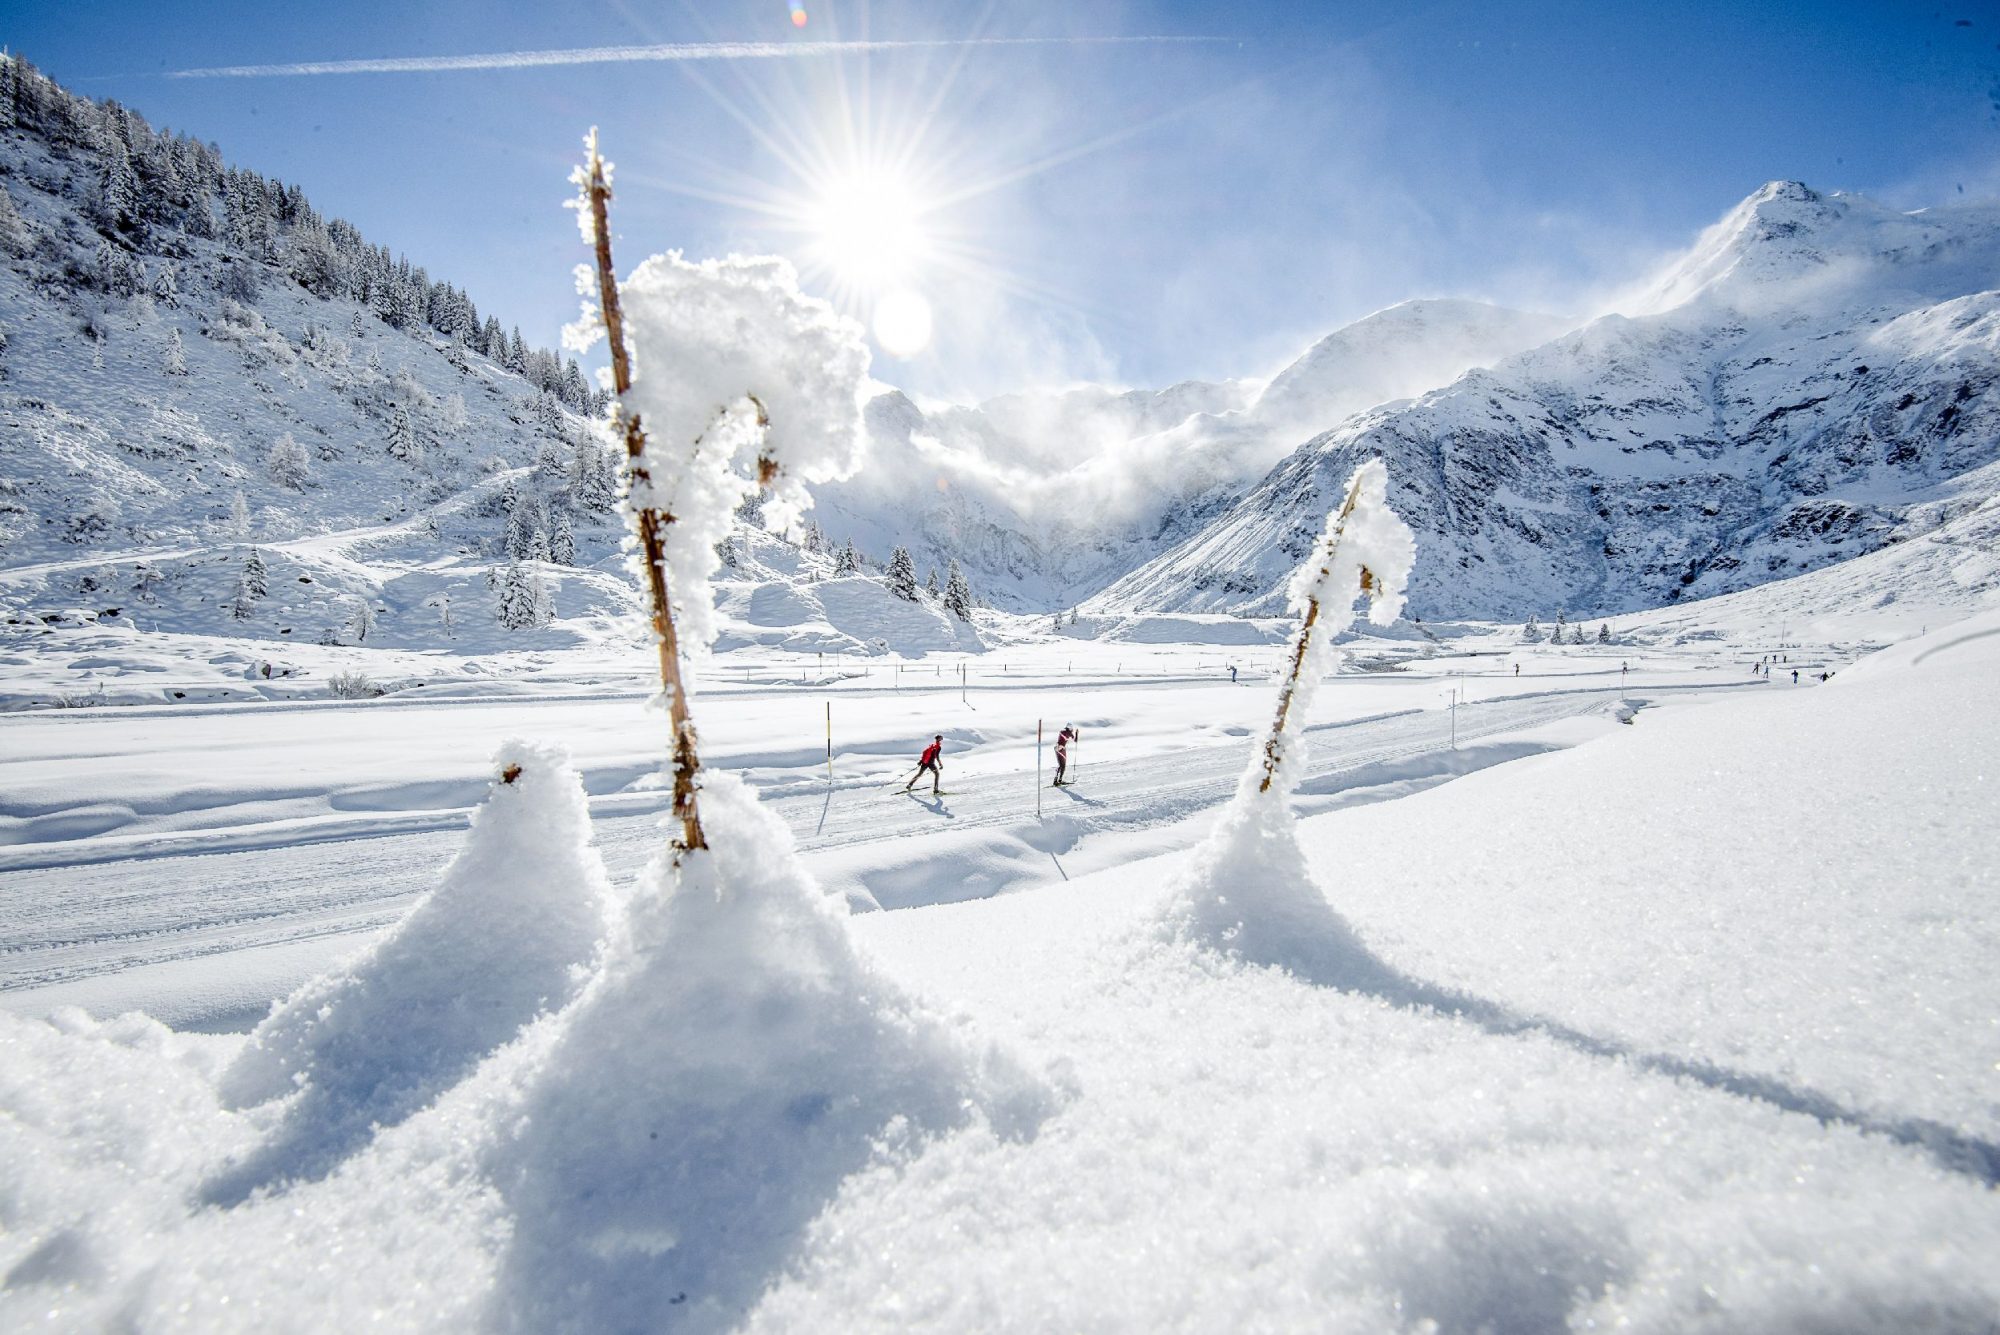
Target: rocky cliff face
{"type": "Point", "coordinates": [1812, 381]}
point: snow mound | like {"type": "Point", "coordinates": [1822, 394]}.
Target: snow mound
{"type": "Point", "coordinates": [734, 1061]}
{"type": "Point", "coordinates": [1248, 890]}
{"type": "Point", "coordinates": [506, 934]}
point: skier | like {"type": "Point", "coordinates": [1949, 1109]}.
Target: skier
{"type": "Point", "coordinates": [1232, 674]}
{"type": "Point", "coordinates": [930, 760]}
{"type": "Point", "coordinates": [1517, 669]}
{"type": "Point", "coordinates": [1063, 739]}
{"type": "Point", "coordinates": [1795, 676]}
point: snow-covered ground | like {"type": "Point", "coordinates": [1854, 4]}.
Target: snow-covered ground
{"type": "Point", "coordinates": [1685, 1024]}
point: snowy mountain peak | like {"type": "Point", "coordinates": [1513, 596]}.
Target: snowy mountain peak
{"type": "Point", "coordinates": [1792, 245]}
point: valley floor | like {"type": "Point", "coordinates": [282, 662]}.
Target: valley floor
{"type": "Point", "coordinates": [1682, 1025]}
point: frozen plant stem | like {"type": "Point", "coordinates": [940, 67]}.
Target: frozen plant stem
{"type": "Point", "coordinates": [1274, 747]}
{"type": "Point", "coordinates": [651, 522]}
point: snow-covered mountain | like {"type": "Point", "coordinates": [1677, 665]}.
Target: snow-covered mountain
{"type": "Point", "coordinates": [1047, 497]}
{"type": "Point", "coordinates": [222, 412]}
{"type": "Point", "coordinates": [1810, 382]}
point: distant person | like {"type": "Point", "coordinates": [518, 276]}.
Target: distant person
{"type": "Point", "coordinates": [932, 760]}
{"type": "Point", "coordinates": [1068, 735]}
{"type": "Point", "coordinates": [1795, 676]}
{"type": "Point", "coordinates": [1232, 677]}
{"type": "Point", "coordinates": [1517, 669]}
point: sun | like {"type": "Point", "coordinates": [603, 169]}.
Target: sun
{"type": "Point", "coordinates": [867, 230]}
{"type": "Point", "coordinates": [867, 235]}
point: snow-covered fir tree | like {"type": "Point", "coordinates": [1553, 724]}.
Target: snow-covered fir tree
{"type": "Point", "coordinates": [239, 514]}
{"type": "Point", "coordinates": [242, 602]}
{"type": "Point", "coordinates": [725, 552]}
{"type": "Point", "coordinates": [527, 528]}
{"type": "Point", "coordinates": [957, 593]}
{"type": "Point", "coordinates": [166, 286]}
{"type": "Point", "coordinates": [1532, 632]}
{"type": "Point", "coordinates": [562, 541]}
{"type": "Point", "coordinates": [255, 577]}
{"type": "Point", "coordinates": [176, 362]}
{"type": "Point", "coordinates": [403, 442]}
{"type": "Point", "coordinates": [16, 237]}
{"type": "Point", "coordinates": [524, 598]}
{"type": "Point", "coordinates": [902, 575]}
{"type": "Point", "coordinates": [846, 561]}
{"type": "Point", "coordinates": [288, 464]}
{"type": "Point", "coordinates": [361, 622]}
{"type": "Point", "coordinates": [1604, 632]}
{"type": "Point", "coordinates": [931, 583]}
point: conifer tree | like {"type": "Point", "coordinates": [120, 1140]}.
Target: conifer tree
{"type": "Point", "coordinates": [242, 603]}
{"type": "Point", "coordinates": [845, 562]}
{"type": "Point", "coordinates": [931, 584]}
{"type": "Point", "coordinates": [362, 623]}
{"type": "Point", "coordinates": [1532, 632]}
{"type": "Point", "coordinates": [562, 542]}
{"type": "Point", "coordinates": [957, 593]}
{"type": "Point", "coordinates": [255, 577]}
{"type": "Point", "coordinates": [1604, 632]}
{"type": "Point", "coordinates": [403, 442]}
{"type": "Point", "coordinates": [166, 285]}
{"type": "Point", "coordinates": [902, 575]}
{"type": "Point", "coordinates": [176, 360]}
{"type": "Point", "coordinates": [239, 514]}
{"type": "Point", "coordinates": [288, 464]}
{"type": "Point", "coordinates": [524, 599]}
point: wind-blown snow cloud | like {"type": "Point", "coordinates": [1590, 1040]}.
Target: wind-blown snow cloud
{"type": "Point", "coordinates": [670, 51]}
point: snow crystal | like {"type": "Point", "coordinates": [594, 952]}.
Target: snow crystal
{"type": "Point", "coordinates": [733, 1062]}
{"type": "Point", "coordinates": [515, 916]}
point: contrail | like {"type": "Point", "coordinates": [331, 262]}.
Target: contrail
{"type": "Point", "coordinates": [607, 55]}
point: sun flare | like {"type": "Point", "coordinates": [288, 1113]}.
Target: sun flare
{"type": "Point", "coordinates": [867, 230]}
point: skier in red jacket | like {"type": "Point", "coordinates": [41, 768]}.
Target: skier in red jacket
{"type": "Point", "coordinates": [930, 760]}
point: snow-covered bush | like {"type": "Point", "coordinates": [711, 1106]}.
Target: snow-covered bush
{"type": "Point", "coordinates": [352, 684]}
{"type": "Point", "coordinates": [1248, 890]}
{"type": "Point", "coordinates": [740, 379]}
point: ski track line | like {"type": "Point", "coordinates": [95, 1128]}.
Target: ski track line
{"type": "Point", "coordinates": [82, 920]}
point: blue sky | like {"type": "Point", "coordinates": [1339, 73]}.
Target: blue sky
{"type": "Point", "coordinates": [1140, 212]}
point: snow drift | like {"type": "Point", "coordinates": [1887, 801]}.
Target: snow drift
{"type": "Point", "coordinates": [506, 935]}
{"type": "Point", "coordinates": [732, 1063]}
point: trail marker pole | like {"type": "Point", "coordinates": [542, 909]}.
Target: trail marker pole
{"type": "Point", "coordinates": [1038, 769]}
{"type": "Point", "coordinates": [829, 742]}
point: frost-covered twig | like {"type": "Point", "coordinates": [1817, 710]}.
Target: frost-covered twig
{"type": "Point", "coordinates": [744, 384]}
{"type": "Point", "coordinates": [651, 523]}
{"type": "Point", "coordinates": [1374, 559]}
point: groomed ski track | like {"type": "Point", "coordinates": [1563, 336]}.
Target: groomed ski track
{"type": "Point", "coordinates": [77, 921]}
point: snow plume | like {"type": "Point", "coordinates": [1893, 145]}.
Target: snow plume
{"type": "Point", "coordinates": [516, 918]}
{"type": "Point", "coordinates": [736, 374]}
{"type": "Point", "coordinates": [735, 1060]}
{"type": "Point", "coordinates": [1248, 890]}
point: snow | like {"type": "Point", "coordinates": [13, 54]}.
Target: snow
{"type": "Point", "coordinates": [1601, 1071]}
{"type": "Point", "coordinates": [507, 934]}
{"type": "Point", "coordinates": [733, 1061]}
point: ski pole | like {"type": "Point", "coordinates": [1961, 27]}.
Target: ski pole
{"type": "Point", "coordinates": [1038, 769]}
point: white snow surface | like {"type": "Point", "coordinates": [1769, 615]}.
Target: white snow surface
{"type": "Point", "coordinates": [507, 934]}
{"type": "Point", "coordinates": [1685, 1028]}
